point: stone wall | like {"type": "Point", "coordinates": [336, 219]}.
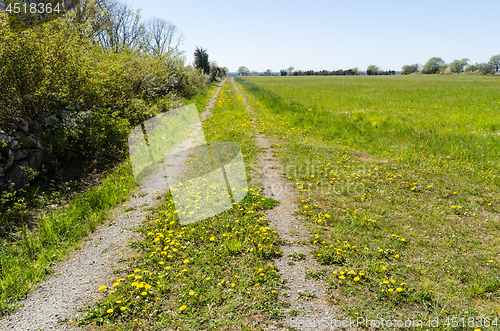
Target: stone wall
{"type": "Point", "coordinates": [21, 152]}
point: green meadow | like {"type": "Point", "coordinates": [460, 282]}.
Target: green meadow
{"type": "Point", "coordinates": [397, 178]}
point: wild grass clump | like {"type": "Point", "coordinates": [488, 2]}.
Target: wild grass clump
{"type": "Point", "coordinates": [27, 253]}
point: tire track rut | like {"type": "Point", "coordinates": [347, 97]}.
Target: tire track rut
{"type": "Point", "coordinates": [305, 296]}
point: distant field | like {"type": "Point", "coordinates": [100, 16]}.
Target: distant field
{"type": "Point", "coordinates": [398, 177]}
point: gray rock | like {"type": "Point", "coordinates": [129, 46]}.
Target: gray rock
{"type": "Point", "coordinates": [34, 127]}
{"type": "Point", "coordinates": [37, 142]}
{"type": "Point", "coordinates": [15, 140]}
{"type": "Point", "coordinates": [20, 154]}
{"type": "Point", "coordinates": [5, 140]}
{"type": "Point", "coordinates": [7, 158]}
{"type": "Point", "coordinates": [22, 172]}
{"type": "Point", "coordinates": [50, 119]}
{"type": "Point", "coordinates": [21, 124]}
{"type": "Point", "coordinates": [27, 141]}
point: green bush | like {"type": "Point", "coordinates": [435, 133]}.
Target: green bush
{"type": "Point", "coordinates": [56, 65]}
{"type": "Point", "coordinates": [40, 67]}
{"type": "Point", "coordinates": [97, 135]}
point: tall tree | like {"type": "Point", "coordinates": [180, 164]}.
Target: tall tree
{"type": "Point", "coordinates": [243, 71]}
{"type": "Point", "coordinates": [410, 68]}
{"type": "Point", "coordinates": [201, 60]}
{"type": "Point", "coordinates": [494, 62]}
{"type": "Point", "coordinates": [122, 27]}
{"type": "Point", "coordinates": [485, 68]}
{"type": "Point", "coordinates": [433, 65]}
{"type": "Point", "coordinates": [458, 66]}
{"type": "Point", "coordinates": [372, 70]}
{"type": "Point", "coordinates": [163, 36]}
{"type": "Point", "coordinates": [215, 71]}
{"type": "Point", "coordinates": [290, 70]}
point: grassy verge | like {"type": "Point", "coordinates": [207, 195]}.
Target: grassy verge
{"type": "Point", "coordinates": [212, 275]}
{"type": "Point", "coordinates": [400, 186]}
{"type": "Point", "coordinates": [27, 256]}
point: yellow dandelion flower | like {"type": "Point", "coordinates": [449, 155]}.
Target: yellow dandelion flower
{"type": "Point", "coordinates": [123, 308]}
{"type": "Point", "coordinates": [109, 311]}
{"type": "Point", "coordinates": [356, 279]}
{"type": "Point", "coordinates": [102, 288]}
{"type": "Point", "coordinates": [183, 307]}
{"type": "Point", "coordinates": [191, 293]}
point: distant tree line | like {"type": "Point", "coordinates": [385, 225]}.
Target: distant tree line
{"type": "Point", "coordinates": [291, 72]}
{"type": "Point", "coordinates": [374, 70]}
{"type": "Point", "coordinates": [437, 65]}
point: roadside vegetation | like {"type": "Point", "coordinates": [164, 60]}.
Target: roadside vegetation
{"type": "Point", "coordinates": [93, 85]}
{"type": "Point", "coordinates": [398, 180]}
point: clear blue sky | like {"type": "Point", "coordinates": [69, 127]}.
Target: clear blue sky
{"type": "Point", "coordinates": [317, 35]}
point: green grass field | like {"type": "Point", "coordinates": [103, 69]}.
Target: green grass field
{"type": "Point", "coordinates": [398, 178]}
